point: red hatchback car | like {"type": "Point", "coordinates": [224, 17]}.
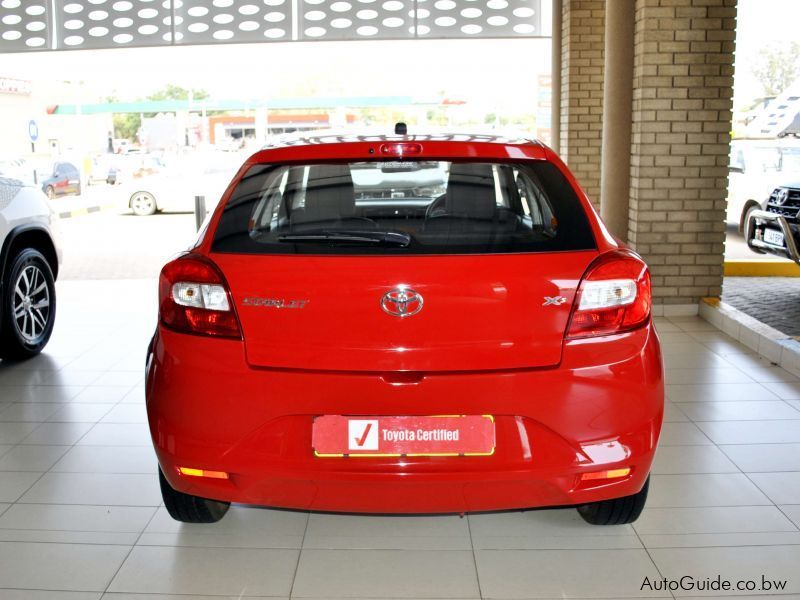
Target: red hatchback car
{"type": "Point", "coordinates": [405, 324]}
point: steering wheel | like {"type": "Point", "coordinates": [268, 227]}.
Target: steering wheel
{"type": "Point", "coordinates": [436, 208]}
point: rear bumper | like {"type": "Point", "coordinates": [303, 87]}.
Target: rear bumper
{"type": "Point", "coordinates": [600, 409]}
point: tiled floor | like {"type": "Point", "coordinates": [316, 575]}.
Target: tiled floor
{"type": "Point", "coordinates": [80, 514]}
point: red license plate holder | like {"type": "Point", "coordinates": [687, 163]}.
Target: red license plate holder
{"type": "Point", "coordinates": [445, 435]}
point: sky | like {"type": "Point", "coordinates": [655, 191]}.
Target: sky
{"type": "Point", "coordinates": [490, 73]}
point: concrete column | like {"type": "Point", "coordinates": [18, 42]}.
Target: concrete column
{"type": "Point", "coordinates": [615, 171]}
{"type": "Point", "coordinates": [555, 102]}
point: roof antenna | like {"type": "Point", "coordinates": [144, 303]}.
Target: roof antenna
{"type": "Point", "coordinates": [400, 128]}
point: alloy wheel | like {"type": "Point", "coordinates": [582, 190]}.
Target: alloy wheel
{"type": "Point", "coordinates": [31, 304]}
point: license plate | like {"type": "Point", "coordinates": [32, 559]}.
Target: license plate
{"type": "Point", "coordinates": [450, 435]}
{"type": "Point", "coordinates": [773, 237]}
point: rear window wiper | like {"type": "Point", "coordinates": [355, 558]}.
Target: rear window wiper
{"type": "Point", "coordinates": [377, 238]}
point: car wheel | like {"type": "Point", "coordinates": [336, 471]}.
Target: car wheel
{"type": "Point", "coordinates": [749, 207]}
{"type": "Point", "coordinates": [188, 508]}
{"type": "Point", "coordinates": [29, 306]}
{"type": "Point", "coordinates": [143, 204]}
{"type": "Point", "coordinates": [51, 192]}
{"type": "Point", "coordinates": [617, 511]}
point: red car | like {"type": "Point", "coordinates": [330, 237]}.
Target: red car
{"type": "Point", "coordinates": [405, 324]}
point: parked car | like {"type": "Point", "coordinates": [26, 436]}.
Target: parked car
{"type": "Point", "coordinates": [173, 189]}
{"type": "Point", "coordinates": [29, 261]}
{"type": "Point", "coordinates": [756, 167]}
{"type": "Point", "coordinates": [774, 227]}
{"type": "Point", "coordinates": [65, 178]}
{"type": "Point", "coordinates": [474, 339]}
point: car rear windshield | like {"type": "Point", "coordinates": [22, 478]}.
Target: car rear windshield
{"type": "Point", "coordinates": [403, 207]}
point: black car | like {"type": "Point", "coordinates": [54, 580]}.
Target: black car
{"type": "Point", "coordinates": [776, 228]}
{"type": "Point", "coordinates": [65, 179]}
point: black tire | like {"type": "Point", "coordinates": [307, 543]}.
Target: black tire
{"type": "Point", "coordinates": [617, 511]}
{"type": "Point", "coordinates": [190, 509]}
{"type": "Point", "coordinates": [50, 191]}
{"type": "Point", "coordinates": [27, 319]}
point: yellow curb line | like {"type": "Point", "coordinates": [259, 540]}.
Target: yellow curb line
{"type": "Point", "coordinates": [78, 212]}
{"type": "Point", "coordinates": [761, 268]}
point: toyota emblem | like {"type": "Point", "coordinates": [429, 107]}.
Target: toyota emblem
{"type": "Point", "coordinates": [401, 302]}
{"type": "Point", "coordinates": [782, 197]}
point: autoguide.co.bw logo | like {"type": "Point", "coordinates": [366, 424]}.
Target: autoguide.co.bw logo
{"type": "Point", "coordinates": [715, 584]}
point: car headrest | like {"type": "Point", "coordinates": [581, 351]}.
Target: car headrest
{"type": "Point", "coordinates": [470, 191]}
{"type": "Point", "coordinates": [330, 195]}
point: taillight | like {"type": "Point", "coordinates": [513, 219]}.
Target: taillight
{"type": "Point", "coordinates": [193, 297]}
{"type": "Point", "coordinates": [614, 296]}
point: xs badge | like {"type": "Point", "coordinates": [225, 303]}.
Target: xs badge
{"type": "Point", "coordinates": [554, 300]}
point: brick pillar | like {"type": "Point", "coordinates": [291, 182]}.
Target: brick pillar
{"type": "Point", "coordinates": [682, 101]}
{"type": "Point", "coordinates": [582, 91]}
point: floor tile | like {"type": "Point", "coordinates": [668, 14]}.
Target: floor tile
{"type": "Point", "coordinates": [787, 391]}
{"type": "Point", "coordinates": [792, 511]}
{"type": "Point", "coordinates": [779, 562]}
{"type": "Point", "coordinates": [125, 379]}
{"type": "Point", "coordinates": [31, 458]}
{"type": "Point", "coordinates": [14, 484]}
{"type": "Point", "coordinates": [108, 459]}
{"type": "Point", "coordinates": [102, 394]}
{"type": "Point", "coordinates": [564, 573]}
{"type": "Point", "coordinates": [49, 595]}
{"type": "Point", "coordinates": [42, 393]}
{"type": "Point", "coordinates": [682, 434]}
{"type": "Point", "coordinates": [215, 571]}
{"type": "Point", "coordinates": [711, 519]}
{"type": "Point", "coordinates": [35, 412]}
{"type": "Point", "coordinates": [719, 392]}
{"type": "Point", "coordinates": [95, 488]}
{"type": "Point", "coordinates": [752, 432]}
{"type": "Point", "coordinates": [59, 566]}
{"type": "Point", "coordinates": [130, 413]}
{"type": "Point", "coordinates": [770, 374]}
{"type": "Point", "coordinates": [135, 396]}
{"type": "Point", "coordinates": [62, 517]}
{"type": "Point", "coordinates": [781, 488]}
{"type": "Point", "coordinates": [710, 489]}
{"type": "Point", "coordinates": [331, 531]}
{"type": "Point", "coordinates": [385, 574]}
{"type": "Point", "coordinates": [696, 361]}
{"type": "Point", "coordinates": [745, 410]}
{"type": "Point", "coordinates": [114, 434]}
{"type": "Point", "coordinates": [753, 458]}
{"type": "Point", "coordinates": [118, 596]}
{"type": "Point", "coordinates": [721, 540]}
{"type": "Point", "coordinates": [673, 414]}
{"type": "Point", "coordinates": [242, 527]}
{"type": "Point", "coordinates": [78, 412]}
{"type": "Point", "coordinates": [691, 459]}
{"type": "Point", "coordinates": [57, 433]}
{"type": "Point", "coordinates": [707, 375]}
{"type": "Point", "coordinates": [557, 529]}
{"type": "Point", "coordinates": [14, 433]}
{"type": "Point", "coordinates": [692, 324]}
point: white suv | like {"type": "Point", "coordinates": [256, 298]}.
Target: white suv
{"type": "Point", "coordinates": [29, 260]}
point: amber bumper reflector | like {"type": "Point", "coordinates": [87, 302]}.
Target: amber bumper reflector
{"type": "Point", "coordinates": [612, 474]}
{"type": "Point", "coordinates": [202, 473]}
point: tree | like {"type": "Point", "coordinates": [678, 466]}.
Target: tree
{"type": "Point", "coordinates": [176, 92]}
{"type": "Point", "coordinates": [777, 66]}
